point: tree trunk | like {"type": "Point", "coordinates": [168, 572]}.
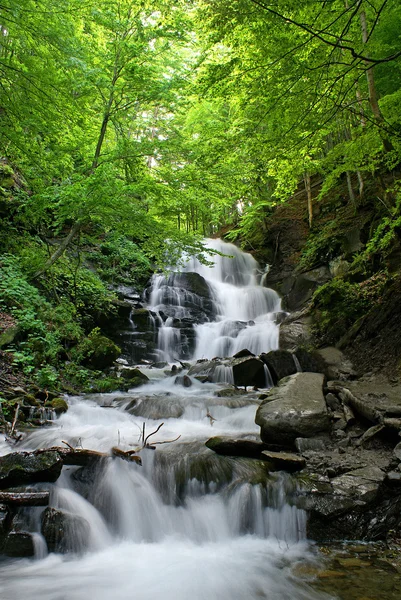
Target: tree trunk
{"type": "Point", "coordinates": [350, 190]}
{"type": "Point", "coordinates": [309, 195]}
{"type": "Point", "coordinates": [373, 100]}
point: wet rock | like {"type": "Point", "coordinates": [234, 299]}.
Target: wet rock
{"type": "Point", "coordinates": [64, 532]}
{"type": "Point", "coordinates": [284, 461]}
{"type": "Point", "coordinates": [183, 380]}
{"type": "Point", "coordinates": [130, 374]}
{"type": "Point", "coordinates": [303, 287]}
{"type": "Point", "coordinates": [295, 408]}
{"type": "Point", "coordinates": [228, 393]}
{"type": "Point", "coordinates": [280, 364]}
{"type": "Point", "coordinates": [248, 371]}
{"type": "Point", "coordinates": [59, 405]}
{"type": "Point", "coordinates": [242, 353]}
{"type": "Point", "coordinates": [19, 544]}
{"type": "Point", "coordinates": [156, 407]}
{"type": "Point", "coordinates": [230, 447]}
{"type": "Point", "coordinates": [5, 519]}
{"type": "Point", "coordinates": [142, 319]}
{"type": "Point", "coordinates": [204, 369]}
{"type": "Point", "coordinates": [19, 468]}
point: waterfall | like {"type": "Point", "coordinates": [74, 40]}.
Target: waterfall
{"type": "Point", "coordinates": [188, 523]}
{"type": "Point", "coordinates": [229, 308]}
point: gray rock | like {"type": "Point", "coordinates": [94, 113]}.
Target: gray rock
{"type": "Point", "coordinates": [296, 408]}
{"type": "Point", "coordinates": [240, 447]}
{"type": "Point", "coordinates": [284, 461]}
{"type": "Point", "coordinates": [183, 380]}
{"type": "Point", "coordinates": [362, 483]}
{"type": "Point", "coordinates": [397, 451]}
{"type": "Point", "coordinates": [332, 401]}
{"type": "Point", "coordinates": [129, 374]}
{"type": "Point", "coordinates": [228, 393]}
{"type": "Point", "coordinates": [19, 468]}
{"type": "Point", "coordinates": [334, 364]}
{"type": "Point", "coordinates": [295, 330]}
{"type": "Point", "coordinates": [63, 531]}
{"type": "Point", "coordinates": [280, 363]}
{"type": "Point", "coordinates": [19, 544]}
{"type": "Point", "coordinates": [248, 371]}
{"type": "Point", "coordinates": [310, 444]}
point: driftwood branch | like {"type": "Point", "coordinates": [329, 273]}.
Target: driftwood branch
{"type": "Point", "coordinates": [150, 434]}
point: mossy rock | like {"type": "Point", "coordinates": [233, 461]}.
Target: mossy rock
{"type": "Point", "coordinates": [59, 405]}
{"type": "Point", "coordinates": [133, 374]}
{"type": "Point", "coordinates": [98, 351]}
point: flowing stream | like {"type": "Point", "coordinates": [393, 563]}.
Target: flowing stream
{"type": "Point", "coordinates": [188, 524]}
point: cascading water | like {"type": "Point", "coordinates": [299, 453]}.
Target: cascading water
{"type": "Point", "coordinates": [188, 524]}
{"type": "Point", "coordinates": [230, 308]}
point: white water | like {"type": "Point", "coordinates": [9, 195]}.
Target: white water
{"type": "Point", "coordinates": [244, 308]}
{"type": "Point", "coordinates": [187, 524]}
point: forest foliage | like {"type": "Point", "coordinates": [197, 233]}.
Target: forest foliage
{"type": "Point", "coordinates": [129, 129]}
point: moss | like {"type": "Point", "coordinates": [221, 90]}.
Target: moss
{"type": "Point", "coordinates": [59, 405]}
{"type": "Point", "coordinates": [98, 351]}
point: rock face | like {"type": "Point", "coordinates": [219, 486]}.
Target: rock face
{"type": "Point", "coordinates": [19, 468]}
{"type": "Point", "coordinates": [295, 330]}
{"type": "Point", "coordinates": [295, 408]}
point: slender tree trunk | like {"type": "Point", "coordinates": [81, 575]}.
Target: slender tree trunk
{"type": "Point", "coordinates": [350, 190]}
{"type": "Point", "coordinates": [361, 183]}
{"type": "Point", "coordinates": [309, 196]}
{"type": "Point", "coordinates": [373, 99]}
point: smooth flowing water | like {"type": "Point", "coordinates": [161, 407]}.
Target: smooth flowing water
{"type": "Point", "coordinates": [188, 524]}
{"type": "Point", "coordinates": [237, 313]}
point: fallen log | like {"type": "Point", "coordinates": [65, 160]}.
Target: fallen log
{"type": "Point", "coordinates": [359, 406]}
{"type": "Point", "coordinates": [25, 498]}
{"type": "Point", "coordinates": [78, 457]}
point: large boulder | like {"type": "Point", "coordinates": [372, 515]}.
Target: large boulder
{"type": "Point", "coordinates": [280, 363]}
{"type": "Point", "coordinates": [248, 371]}
{"type": "Point", "coordinates": [19, 468]}
{"type": "Point", "coordinates": [295, 408]}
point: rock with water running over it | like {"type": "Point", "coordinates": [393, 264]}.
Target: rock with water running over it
{"type": "Point", "coordinates": [19, 468]}
{"type": "Point", "coordinates": [248, 371]}
{"type": "Point", "coordinates": [63, 531]}
{"type": "Point", "coordinates": [183, 380]}
{"type": "Point", "coordinates": [280, 364]}
{"type": "Point", "coordinates": [18, 544]}
{"type": "Point", "coordinates": [295, 408]}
